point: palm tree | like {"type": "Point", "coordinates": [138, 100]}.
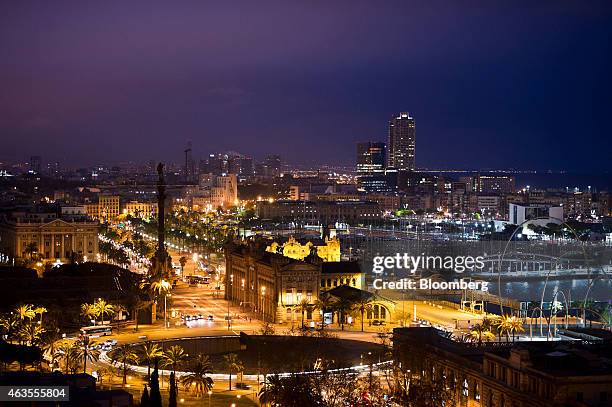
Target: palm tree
{"type": "Point", "coordinates": [160, 287]}
{"type": "Point", "coordinates": [68, 351]}
{"type": "Point", "coordinates": [174, 356]}
{"type": "Point", "coordinates": [273, 391]}
{"type": "Point", "coordinates": [149, 353]}
{"type": "Point", "coordinates": [515, 325]}
{"type": "Point", "coordinates": [304, 306]}
{"type": "Point", "coordinates": [363, 305]}
{"type": "Point", "coordinates": [25, 312]}
{"type": "Point", "coordinates": [233, 364]}
{"type": "Point", "coordinates": [40, 311]}
{"type": "Point", "coordinates": [30, 333]}
{"type": "Point", "coordinates": [104, 309]}
{"type": "Point", "coordinates": [125, 355]}
{"type": "Point", "coordinates": [31, 248]}
{"type": "Point", "coordinates": [48, 341]}
{"type": "Point", "coordinates": [89, 312]}
{"type": "Point", "coordinates": [504, 326]}
{"type": "Point", "coordinates": [182, 262]}
{"type": "Point", "coordinates": [197, 376]}
{"type": "Point", "coordinates": [8, 326]}
{"type": "Point", "coordinates": [480, 333]}
{"type": "Point", "coordinates": [87, 351]}
{"type": "Point", "coordinates": [342, 307]}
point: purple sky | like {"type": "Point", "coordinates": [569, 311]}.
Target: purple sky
{"type": "Point", "coordinates": [490, 85]}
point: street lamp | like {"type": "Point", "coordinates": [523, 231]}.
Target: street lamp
{"type": "Point", "coordinates": [209, 394]}
{"type": "Point", "coordinates": [228, 300]}
{"type": "Point", "coordinates": [263, 295]}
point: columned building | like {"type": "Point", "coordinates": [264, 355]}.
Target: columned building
{"type": "Point", "coordinates": [280, 289]}
{"type": "Point", "coordinates": [49, 239]}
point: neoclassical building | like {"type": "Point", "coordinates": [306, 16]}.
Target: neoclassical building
{"type": "Point", "coordinates": [275, 286]}
{"type": "Point", "coordinates": [47, 237]}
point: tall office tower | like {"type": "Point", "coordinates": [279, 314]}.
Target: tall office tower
{"type": "Point", "coordinates": [35, 164]}
{"type": "Point", "coordinates": [371, 157]}
{"type": "Point", "coordinates": [272, 166]}
{"type": "Point", "coordinates": [402, 136]}
{"type": "Point", "coordinates": [189, 170]}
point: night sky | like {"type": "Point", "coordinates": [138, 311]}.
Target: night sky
{"type": "Point", "coordinates": [490, 84]}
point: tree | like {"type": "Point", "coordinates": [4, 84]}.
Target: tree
{"type": "Point", "coordinates": [125, 355]}
{"type": "Point", "coordinates": [155, 399]}
{"type": "Point", "coordinates": [144, 399]}
{"type": "Point", "coordinates": [69, 352]}
{"type": "Point", "coordinates": [182, 262]}
{"type": "Point", "coordinates": [89, 312]}
{"type": "Point", "coordinates": [150, 352]}
{"type": "Point", "coordinates": [197, 377]}
{"type": "Point", "coordinates": [233, 364]}
{"type": "Point", "coordinates": [24, 312]}
{"type": "Point", "coordinates": [31, 248]}
{"type": "Point", "coordinates": [304, 306]}
{"type": "Point", "coordinates": [342, 307]}
{"type": "Point", "coordinates": [87, 351]}
{"type": "Point", "coordinates": [8, 326]}
{"type": "Point", "coordinates": [482, 331]}
{"type": "Point", "coordinates": [172, 391]}
{"type": "Point", "coordinates": [292, 391]}
{"type": "Point", "coordinates": [363, 305]}
{"type": "Point", "coordinates": [40, 311]}
{"type": "Point", "coordinates": [174, 356]}
{"type": "Point", "coordinates": [104, 309]}
{"type": "Point", "coordinates": [30, 333]}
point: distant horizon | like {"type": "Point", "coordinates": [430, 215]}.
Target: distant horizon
{"type": "Point", "coordinates": [489, 86]}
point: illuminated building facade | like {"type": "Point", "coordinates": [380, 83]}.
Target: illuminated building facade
{"type": "Point", "coordinates": [327, 250]}
{"type": "Point", "coordinates": [402, 141]}
{"type": "Point", "coordinates": [274, 285]}
{"type": "Point", "coordinates": [107, 207]}
{"type": "Point", "coordinates": [137, 209]}
{"type": "Point", "coordinates": [525, 374]}
{"type": "Point", "coordinates": [48, 238]}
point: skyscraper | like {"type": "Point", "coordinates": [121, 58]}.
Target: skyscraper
{"type": "Point", "coordinates": [402, 136]}
{"type": "Point", "coordinates": [35, 164]}
{"type": "Point", "coordinates": [371, 157]}
{"type": "Point", "coordinates": [272, 166]}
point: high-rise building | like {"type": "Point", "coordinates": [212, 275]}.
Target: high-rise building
{"type": "Point", "coordinates": [35, 164]}
{"type": "Point", "coordinates": [402, 136]}
{"type": "Point", "coordinates": [228, 163]}
{"type": "Point", "coordinates": [272, 166]}
{"type": "Point", "coordinates": [371, 157]}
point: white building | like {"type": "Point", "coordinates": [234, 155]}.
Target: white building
{"type": "Point", "coordinates": [216, 191]}
{"type": "Point", "coordinates": [540, 214]}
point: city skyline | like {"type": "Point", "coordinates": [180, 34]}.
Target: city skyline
{"type": "Point", "coordinates": [308, 82]}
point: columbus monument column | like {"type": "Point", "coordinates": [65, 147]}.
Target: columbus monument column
{"type": "Point", "coordinates": [161, 260]}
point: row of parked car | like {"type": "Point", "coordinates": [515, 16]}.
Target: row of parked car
{"type": "Point", "coordinates": [197, 317]}
{"type": "Point", "coordinates": [106, 345]}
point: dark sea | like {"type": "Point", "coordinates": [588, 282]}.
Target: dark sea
{"type": "Point", "coordinates": [558, 180]}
